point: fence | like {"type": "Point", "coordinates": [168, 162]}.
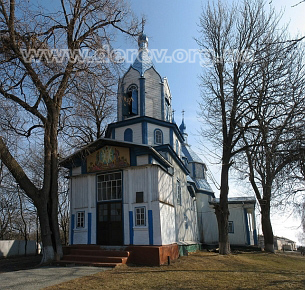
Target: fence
{"type": "Point", "coordinates": [10, 248]}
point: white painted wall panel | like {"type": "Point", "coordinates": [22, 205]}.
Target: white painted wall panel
{"type": "Point", "coordinates": [80, 237]}
{"type": "Point", "coordinates": [141, 236]}
{"type": "Point", "coordinates": [136, 130]}
{"type": "Point", "coordinates": [76, 171]}
{"type": "Point", "coordinates": [80, 191]}
{"type": "Point", "coordinates": [142, 160]}
{"type": "Point", "coordinates": [153, 89]}
{"type": "Point", "coordinates": [165, 187]}
{"type": "Point", "coordinates": [167, 223]}
{"type": "Point", "coordinates": [151, 130]}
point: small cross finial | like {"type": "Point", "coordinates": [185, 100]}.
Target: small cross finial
{"type": "Point", "coordinates": [183, 114]}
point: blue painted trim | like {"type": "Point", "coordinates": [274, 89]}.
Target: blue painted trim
{"type": "Point", "coordinates": [84, 166]}
{"type": "Point", "coordinates": [255, 237]}
{"type": "Point", "coordinates": [162, 101]}
{"type": "Point", "coordinates": [150, 227]}
{"type": "Point", "coordinates": [128, 135]}
{"type": "Point", "coordinates": [113, 133]}
{"type": "Point", "coordinates": [122, 204]}
{"type": "Point", "coordinates": [131, 227]}
{"type": "Point", "coordinates": [144, 133]}
{"type": "Point", "coordinates": [150, 159]}
{"type": "Point", "coordinates": [142, 96]}
{"type": "Point", "coordinates": [72, 228]}
{"type": "Point", "coordinates": [174, 155]}
{"type": "Point", "coordinates": [141, 119]}
{"type": "Point", "coordinates": [133, 157]}
{"type": "Point", "coordinates": [247, 227]}
{"type": "Point", "coordinates": [171, 137]}
{"type": "Point", "coordinates": [89, 227]}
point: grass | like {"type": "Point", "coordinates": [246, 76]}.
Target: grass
{"type": "Point", "coordinates": [204, 270]}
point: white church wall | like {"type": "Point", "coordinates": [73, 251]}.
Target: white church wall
{"type": "Point", "coordinates": [207, 223]}
{"type": "Point", "coordinates": [186, 216]}
{"type": "Point", "coordinates": [80, 192]}
{"type": "Point", "coordinates": [142, 160]}
{"type": "Point", "coordinates": [76, 171]}
{"type": "Point", "coordinates": [83, 198]}
{"type": "Point", "coordinates": [237, 216]}
{"type": "Point", "coordinates": [167, 223]}
{"type": "Point", "coordinates": [157, 237]}
{"type": "Point", "coordinates": [175, 139]}
{"type": "Point", "coordinates": [165, 187]}
{"type": "Point", "coordinates": [136, 131]}
{"type": "Point", "coordinates": [153, 89]}
{"type": "Point", "coordinates": [140, 179]}
{"type": "Point", "coordinates": [151, 132]}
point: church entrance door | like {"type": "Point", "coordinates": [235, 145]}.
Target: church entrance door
{"type": "Point", "coordinates": [109, 227]}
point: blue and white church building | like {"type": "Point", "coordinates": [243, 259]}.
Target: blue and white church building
{"type": "Point", "coordinates": [142, 185]}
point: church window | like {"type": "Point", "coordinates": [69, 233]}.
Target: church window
{"type": "Point", "coordinates": [231, 227]}
{"type": "Point", "coordinates": [167, 110]}
{"type": "Point", "coordinates": [158, 136]}
{"type": "Point", "coordinates": [177, 147]}
{"type": "Point", "coordinates": [130, 101]}
{"type": "Point", "coordinates": [80, 219]}
{"type": "Point", "coordinates": [109, 186]}
{"type": "Point", "coordinates": [139, 197]}
{"type": "Point", "coordinates": [178, 192]}
{"type": "Point", "coordinates": [128, 135]}
{"type": "Point", "coordinates": [140, 216]}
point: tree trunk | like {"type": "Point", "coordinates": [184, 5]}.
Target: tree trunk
{"type": "Point", "coordinates": [49, 202]}
{"type": "Point", "coordinates": [266, 225]}
{"type": "Point", "coordinates": [222, 211]}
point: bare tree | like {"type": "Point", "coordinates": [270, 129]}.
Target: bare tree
{"type": "Point", "coordinates": [91, 108]}
{"type": "Point", "coordinates": [234, 40]}
{"type": "Point", "coordinates": [36, 78]}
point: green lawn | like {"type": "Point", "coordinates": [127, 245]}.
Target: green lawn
{"type": "Point", "coordinates": [204, 270]}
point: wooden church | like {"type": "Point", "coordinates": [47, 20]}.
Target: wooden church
{"type": "Point", "coordinates": [142, 187]}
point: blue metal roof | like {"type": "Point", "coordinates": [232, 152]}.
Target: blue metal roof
{"type": "Point", "coordinates": [190, 154]}
{"type": "Point", "coordinates": [143, 62]}
{"type": "Point", "coordinates": [201, 185]}
{"type": "Point", "coordinates": [182, 127]}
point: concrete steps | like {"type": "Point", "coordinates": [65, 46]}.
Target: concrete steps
{"type": "Point", "coordinates": [93, 255]}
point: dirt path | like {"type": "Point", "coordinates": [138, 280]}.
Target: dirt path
{"type": "Point", "coordinates": [19, 263]}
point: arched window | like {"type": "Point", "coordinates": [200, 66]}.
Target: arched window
{"type": "Point", "coordinates": [128, 135]}
{"type": "Point", "coordinates": [130, 101]}
{"type": "Point", "coordinates": [158, 136]}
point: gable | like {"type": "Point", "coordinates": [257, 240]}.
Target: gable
{"type": "Point", "coordinates": [107, 158]}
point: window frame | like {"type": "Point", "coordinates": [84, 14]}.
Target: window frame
{"type": "Point", "coordinates": [131, 101]}
{"type": "Point", "coordinates": [106, 184]}
{"type": "Point", "coordinates": [128, 134]}
{"type": "Point", "coordinates": [80, 219]}
{"type": "Point", "coordinates": [160, 136]}
{"type": "Point", "coordinates": [230, 227]}
{"type": "Point", "coordinates": [141, 215]}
